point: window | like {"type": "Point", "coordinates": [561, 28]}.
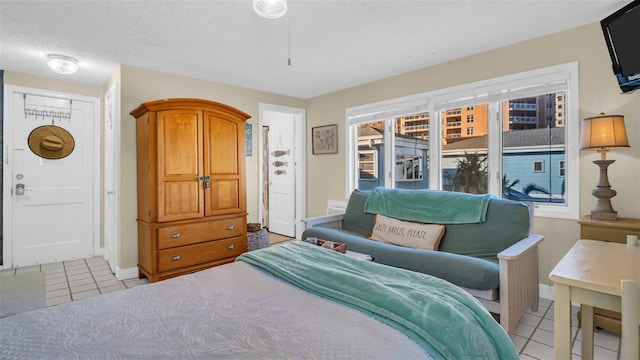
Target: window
{"type": "Point", "coordinates": [367, 165]}
{"type": "Point", "coordinates": [538, 166]}
{"type": "Point", "coordinates": [516, 123]}
{"type": "Point", "coordinates": [470, 117]}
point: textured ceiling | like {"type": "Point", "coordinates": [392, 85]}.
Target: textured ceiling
{"type": "Point", "coordinates": [333, 44]}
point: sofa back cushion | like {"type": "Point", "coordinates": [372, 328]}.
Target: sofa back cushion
{"type": "Point", "coordinates": [507, 222]}
{"type": "Point", "coordinates": [355, 219]}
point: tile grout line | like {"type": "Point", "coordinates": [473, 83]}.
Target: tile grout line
{"type": "Point", "coordinates": [529, 339]}
{"type": "Point", "coordinates": [64, 266]}
{"type": "Point", "coordinates": [93, 277]}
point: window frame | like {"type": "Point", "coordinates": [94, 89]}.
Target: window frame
{"type": "Point", "coordinates": [535, 168]}
{"type": "Point", "coordinates": [563, 77]}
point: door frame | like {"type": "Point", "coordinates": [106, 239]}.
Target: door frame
{"type": "Point", "coordinates": [299, 141]}
{"type": "Point", "coordinates": [7, 175]}
{"type": "Point", "coordinates": [114, 92]}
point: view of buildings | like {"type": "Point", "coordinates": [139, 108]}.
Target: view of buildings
{"type": "Point", "coordinates": [533, 149]}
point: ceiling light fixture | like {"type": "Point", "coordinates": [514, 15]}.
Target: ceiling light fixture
{"type": "Point", "coordinates": [270, 9]}
{"type": "Point", "coordinates": [62, 64]}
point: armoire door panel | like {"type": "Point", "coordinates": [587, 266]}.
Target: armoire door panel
{"type": "Point", "coordinates": [180, 154]}
{"type": "Point", "coordinates": [181, 201]}
{"type": "Point", "coordinates": [224, 197]}
{"type": "Point", "coordinates": [179, 140]}
{"type": "Point", "coordinates": [222, 144]}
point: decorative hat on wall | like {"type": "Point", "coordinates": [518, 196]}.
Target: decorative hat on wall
{"type": "Point", "coordinates": [51, 142]}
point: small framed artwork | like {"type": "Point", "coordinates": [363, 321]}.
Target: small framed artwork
{"type": "Point", "coordinates": [324, 139]}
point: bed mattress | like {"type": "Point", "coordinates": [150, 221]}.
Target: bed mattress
{"type": "Point", "coordinates": [234, 311]}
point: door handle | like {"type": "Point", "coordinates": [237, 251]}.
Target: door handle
{"type": "Point", "coordinates": [20, 189]}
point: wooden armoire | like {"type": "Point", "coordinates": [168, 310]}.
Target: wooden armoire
{"type": "Point", "coordinates": [191, 186]}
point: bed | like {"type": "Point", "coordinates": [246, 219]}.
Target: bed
{"type": "Point", "coordinates": [291, 301]}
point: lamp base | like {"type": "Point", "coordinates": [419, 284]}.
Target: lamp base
{"type": "Point", "coordinates": [603, 193]}
{"type": "Point", "coordinates": [611, 216]}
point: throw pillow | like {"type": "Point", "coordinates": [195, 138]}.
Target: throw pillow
{"type": "Point", "coordinates": [406, 233]}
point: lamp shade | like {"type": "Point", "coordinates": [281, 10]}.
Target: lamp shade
{"type": "Point", "coordinates": [270, 9]}
{"type": "Point", "coordinates": [604, 131]}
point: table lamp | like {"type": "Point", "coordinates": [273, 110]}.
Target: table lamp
{"type": "Point", "coordinates": [602, 133]}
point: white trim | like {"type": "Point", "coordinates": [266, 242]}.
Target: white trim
{"type": "Point", "coordinates": [114, 91]}
{"type": "Point", "coordinates": [545, 291]}
{"type": "Point", "coordinates": [300, 128]}
{"type": "Point", "coordinates": [7, 175]}
{"type": "Point", "coordinates": [97, 183]}
{"type": "Point", "coordinates": [126, 273]}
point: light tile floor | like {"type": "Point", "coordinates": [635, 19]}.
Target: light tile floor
{"type": "Point", "coordinates": [533, 336]}
{"type": "Point", "coordinates": [79, 279]}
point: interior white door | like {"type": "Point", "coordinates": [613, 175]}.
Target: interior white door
{"type": "Point", "coordinates": [111, 126]}
{"type": "Point", "coordinates": [52, 199]}
{"type": "Point", "coordinates": [282, 174]}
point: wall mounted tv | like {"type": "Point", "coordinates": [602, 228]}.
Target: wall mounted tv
{"type": "Point", "coordinates": [622, 34]}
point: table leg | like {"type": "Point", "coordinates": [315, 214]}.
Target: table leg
{"type": "Point", "coordinates": [587, 332]}
{"type": "Point", "coordinates": [562, 320]}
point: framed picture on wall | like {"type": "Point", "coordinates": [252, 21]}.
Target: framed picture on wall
{"type": "Point", "coordinates": [324, 139]}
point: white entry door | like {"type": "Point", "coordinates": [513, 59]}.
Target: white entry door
{"type": "Point", "coordinates": [282, 173]}
{"type": "Point", "coordinates": [52, 202]}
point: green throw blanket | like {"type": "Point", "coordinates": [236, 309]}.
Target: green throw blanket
{"type": "Point", "coordinates": [428, 206]}
{"type": "Point", "coordinates": [442, 318]}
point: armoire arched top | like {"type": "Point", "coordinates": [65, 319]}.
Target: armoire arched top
{"type": "Point", "coordinates": [188, 103]}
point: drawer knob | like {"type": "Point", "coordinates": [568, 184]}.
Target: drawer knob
{"type": "Point", "coordinates": [175, 258]}
{"type": "Point", "coordinates": [175, 236]}
{"type": "Point", "coordinates": [230, 227]}
{"type": "Point", "coordinates": [230, 247]}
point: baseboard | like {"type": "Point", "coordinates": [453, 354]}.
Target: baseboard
{"type": "Point", "coordinates": [127, 273]}
{"type": "Point", "coordinates": [545, 291]}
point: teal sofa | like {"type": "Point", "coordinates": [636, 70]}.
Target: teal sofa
{"type": "Point", "coordinates": [495, 260]}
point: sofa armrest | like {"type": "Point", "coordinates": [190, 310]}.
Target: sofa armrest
{"type": "Point", "coordinates": [519, 287]}
{"type": "Point", "coordinates": [333, 221]}
{"type": "Point", "coordinates": [516, 250]}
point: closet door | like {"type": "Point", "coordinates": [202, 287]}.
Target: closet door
{"type": "Point", "coordinates": [180, 174]}
{"type": "Point", "coordinates": [224, 164]}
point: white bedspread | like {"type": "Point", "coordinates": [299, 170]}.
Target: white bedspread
{"type": "Point", "coordinates": [234, 311]}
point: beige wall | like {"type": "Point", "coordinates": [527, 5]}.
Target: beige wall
{"type": "Point", "coordinates": [599, 92]}
{"type": "Point", "coordinates": [36, 82]}
{"type": "Point", "coordinates": [325, 173]}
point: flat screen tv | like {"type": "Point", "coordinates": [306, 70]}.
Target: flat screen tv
{"type": "Point", "coordinates": [622, 34]}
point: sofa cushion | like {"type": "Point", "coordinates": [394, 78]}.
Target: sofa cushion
{"type": "Point", "coordinates": [355, 219]}
{"type": "Point", "coordinates": [507, 222]}
{"type": "Point", "coordinates": [407, 233]}
{"type": "Point", "coordinates": [460, 270]}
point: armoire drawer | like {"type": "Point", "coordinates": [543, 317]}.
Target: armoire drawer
{"type": "Point", "coordinates": [184, 256]}
{"type": "Point", "coordinates": [185, 234]}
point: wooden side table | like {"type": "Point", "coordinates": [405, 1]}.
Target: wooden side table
{"type": "Point", "coordinates": [590, 273]}
{"type": "Point", "coordinates": [612, 231]}
{"type": "Point", "coordinates": [606, 230]}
